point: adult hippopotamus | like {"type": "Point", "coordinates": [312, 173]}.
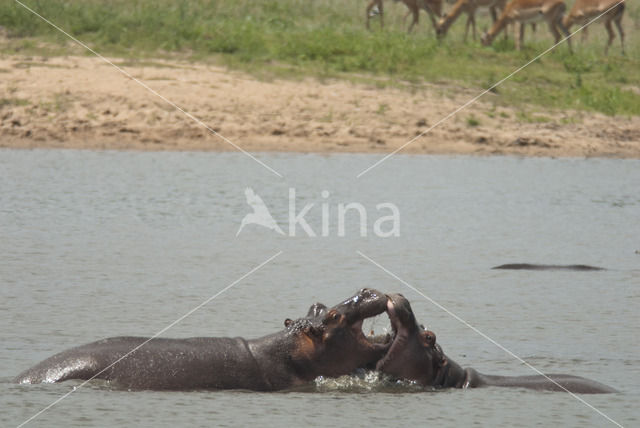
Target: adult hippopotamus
{"type": "Point", "coordinates": [414, 355]}
{"type": "Point", "coordinates": [327, 342]}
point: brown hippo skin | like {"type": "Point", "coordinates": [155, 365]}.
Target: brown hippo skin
{"type": "Point", "coordinates": [327, 342]}
{"type": "Point", "coordinates": [414, 355]}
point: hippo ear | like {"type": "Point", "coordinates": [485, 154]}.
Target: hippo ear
{"type": "Point", "coordinates": [288, 322]}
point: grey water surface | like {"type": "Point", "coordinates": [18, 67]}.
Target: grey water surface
{"type": "Point", "coordinates": [99, 244]}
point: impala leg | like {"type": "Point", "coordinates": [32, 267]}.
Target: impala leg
{"type": "Point", "coordinates": [554, 31]}
{"type": "Point", "coordinates": [473, 25]}
{"type": "Point", "coordinates": [618, 21]}
{"type": "Point", "coordinates": [434, 22]}
{"type": "Point", "coordinates": [494, 14]}
{"type": "Point", "coordinates": [416, 18]}
{"type": "Point", "coordinates": [466, 28]}
{"type": "Point", "coordinates": [520, 38]}
{"type": "Point", "coordinates": [564, 30]}
{"type": "Point", "coordinates": [612, 35]}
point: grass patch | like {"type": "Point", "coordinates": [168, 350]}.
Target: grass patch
{"type": "Point", "coordinates": [13, 102]}
{"type": "Point", "coordinates": [58, 104]}
{"type": "Point", "coordinates": [382, 109]}
{"type": "Point", "coordinates": [326, 38]}
{"type": "Point", "coordinates": [472, 121]}
{"type": "Point", "coordinates": [29, 64]}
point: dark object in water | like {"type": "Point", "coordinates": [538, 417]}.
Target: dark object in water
{"type": "Point", "coordinates": [327, 342]}
{"type": "Point", "coordinates": [528, 266]}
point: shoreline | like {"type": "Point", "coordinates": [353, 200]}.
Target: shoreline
{"type": "Point", "coordinates": [83, 103]}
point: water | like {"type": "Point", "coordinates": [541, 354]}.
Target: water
{"type": "Point", "coordinates": [98, 244]}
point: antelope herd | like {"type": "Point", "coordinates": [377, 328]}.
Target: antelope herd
{"type": "Point", "coordinates": [518, 13]}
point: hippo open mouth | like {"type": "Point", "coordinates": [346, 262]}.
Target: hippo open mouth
{"type": "Point", "coordinates": [378, 342]}
{"type": "Point", "coordinates": [370, 305]}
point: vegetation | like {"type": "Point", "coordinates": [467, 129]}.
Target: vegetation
{"type": "Point", "coordinates": [472, 121]}
{"type": "Point", "coordinates": [327, 38]}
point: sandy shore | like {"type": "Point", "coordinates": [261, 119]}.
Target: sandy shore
{"type": "Point", "coordinates": [82, 102]}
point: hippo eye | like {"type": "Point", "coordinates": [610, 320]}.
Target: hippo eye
{"type": "Point", "coordinates": [333, 316]}
{"type": "Point", "coordinates": [429, 337]}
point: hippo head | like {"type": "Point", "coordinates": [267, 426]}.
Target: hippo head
{"type": "Point", "coordinates": [330, 342]}
{"type": "Point", "coordinates": [413, 354]}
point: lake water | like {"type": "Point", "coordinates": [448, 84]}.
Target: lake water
{"type": "Point", "coordinates": [99, 244]}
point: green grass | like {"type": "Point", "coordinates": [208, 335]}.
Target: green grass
{"type": "Point", "coordinates": [58, 104]}
{"type": "Point", "coordinates": [472, 121]}
{"type": "Point", "coordinates": [327, 38]}
{"type": "Point", "coordinates": [13, 102]}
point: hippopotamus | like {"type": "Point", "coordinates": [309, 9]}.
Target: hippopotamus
{"type": "Point", "coordinates": [530, 266]}
{"type": "Point", "coordinates": [414, 355]}
{"type": "Point", "coordinates": [327, 342]}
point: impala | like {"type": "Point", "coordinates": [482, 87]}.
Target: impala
{"type": "Point", "coordinates": [583, 11]}
{"type": "Point", "coordinates": [433, 8]}
{"type": "Point", "coordinates": [523, 11]}
{"type": "Point", "coordinates": [469, 7]}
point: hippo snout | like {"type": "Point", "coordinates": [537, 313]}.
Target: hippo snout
{"type": "Point", "coordinates": [371, 303]}
{"type": "Point", "coordinates": [367, 303]}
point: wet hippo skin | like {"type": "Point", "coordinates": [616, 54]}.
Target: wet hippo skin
{"type": "Point", "coordinates": [327, 342]}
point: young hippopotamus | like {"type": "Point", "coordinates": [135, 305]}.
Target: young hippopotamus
{"type": "Point", "coordinates": [414, 355]}
{"type": "Point", "coordinates": [327, 342]}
